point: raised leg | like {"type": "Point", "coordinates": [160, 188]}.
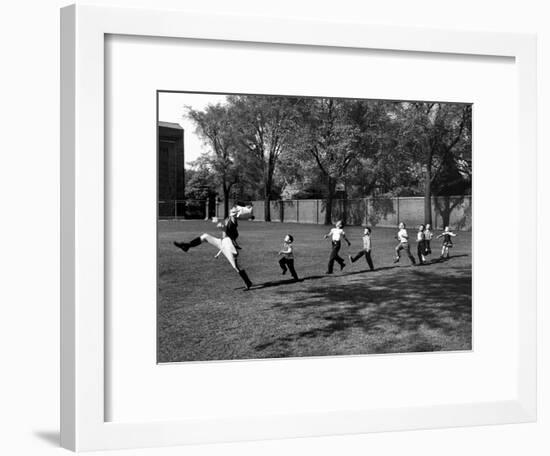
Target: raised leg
{"type": "Point", "coordinates": [216, 242]}
{"type": "Point", "coordinates": [185, 246]}
{"type": "Point", "coordinates": [357, 256]}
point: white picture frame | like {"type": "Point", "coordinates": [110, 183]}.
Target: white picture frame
{"type": "Point", "coordinates": [83, 31]}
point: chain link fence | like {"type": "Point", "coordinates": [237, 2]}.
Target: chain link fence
{"type": "Point", "coordinates": [183, 209]}
{"type": "Point", "coordinates": [454, 211]}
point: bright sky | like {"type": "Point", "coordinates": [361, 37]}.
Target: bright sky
{"type": "Point", "coordinates": [172, 109]}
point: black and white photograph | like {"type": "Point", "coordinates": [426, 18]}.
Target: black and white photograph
{"type": "Point", "coordinates": [312, 226]}
{"type": "Point", "coordinates": [275, 228]}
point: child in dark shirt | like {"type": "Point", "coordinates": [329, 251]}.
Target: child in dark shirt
{"type": "Point", "coordinates": [287, 260]}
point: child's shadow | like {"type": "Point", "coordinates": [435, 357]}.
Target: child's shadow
{"type": "Point", "coordinates": [277, 283]}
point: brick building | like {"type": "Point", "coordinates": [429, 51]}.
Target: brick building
{"type": "Point", "coordinates": [171, 170]}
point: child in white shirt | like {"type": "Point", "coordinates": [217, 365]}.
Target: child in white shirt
{"type": "Point", "coordinates": [403, 238]}
{"type": "Point", "coordinates": [428, 234]}
{"type": "Point", "coordinates": [336, 234]}
{"type": "Point", "coordinates": [367, 246]}
{"type": "Point", "coordinates": [421, 244]}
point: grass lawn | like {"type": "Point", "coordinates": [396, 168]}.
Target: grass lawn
{"type": "Point", "coordinates": [205, 314]}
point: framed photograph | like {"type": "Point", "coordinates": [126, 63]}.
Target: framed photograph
{"type": "Point", "coordinates": [280, 186]}
{"type": "Point", "coordinates": [276, 228]}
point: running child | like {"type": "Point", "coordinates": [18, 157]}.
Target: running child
{"type": "Point", "coordinates": [428, 234]}
{"type": "Point", "coordinates": [287, 260]}
{"type": "Point", "coordinates": [403, 238]}
{"type": "Point", "coordinates": [366, 252]}
{"type": "Point", "coordinates": [336, 234]}
{"type": "Point", "coordinates": [224, 245]}
{"type": "Point", "coordinates": [421, 244]}
{"type": "Point", "coordinates": [447, 242]}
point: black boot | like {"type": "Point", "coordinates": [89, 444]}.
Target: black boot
{"type": "Point", "coordinates": [185, 246]}
{"type": "Point", "coordinates": [182, 245]}
{"type": "Point", "coordinates": [245, 278]}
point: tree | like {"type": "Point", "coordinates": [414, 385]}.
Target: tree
{"type": "Point", "coordinates": [214, 125]}
{"type": "Point", "coordinates": [265, 125]}
{"type": "Point", "coordinates": [327, 137]}
{"type": "Point", "coordinates": [377, 168]}
{"type": "Point", "coordinates": [434, 135]}
{"type": "Point", "coordinates": [201, 182]}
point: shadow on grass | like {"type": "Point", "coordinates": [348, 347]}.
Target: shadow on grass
{"type": "Point", "coordinates": [277, 283]}
{"type": "Point", "coordinates": [421, 299]}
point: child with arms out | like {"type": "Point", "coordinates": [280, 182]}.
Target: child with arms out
{"type": "Point", "coordinates": [447, 236]}
{"type": "Point", "coordinates": [336, 234]}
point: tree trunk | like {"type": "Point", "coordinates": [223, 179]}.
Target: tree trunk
{"type": "Point", "coordinates": [267, 209]}
{"type": "Point", "coordinates": [330, 197]}
{"type": "Point", "coordinates": [446, 215]}
{"type": "Point", "coordinates": [225, 202]}
{"type": "Point", "coordinates": [267, 201]}
{"type": "Point", "coordinates": [428, 192]}
{"type": "Point", "coordinates": [345, 207]}
{"type": "Point", "coordinates": [267, 191]}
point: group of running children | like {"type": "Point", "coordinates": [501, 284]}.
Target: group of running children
{"type": "Point", "coordinates": [423, 239]}
{"type": "Point", "coordinates": [229, 247]}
